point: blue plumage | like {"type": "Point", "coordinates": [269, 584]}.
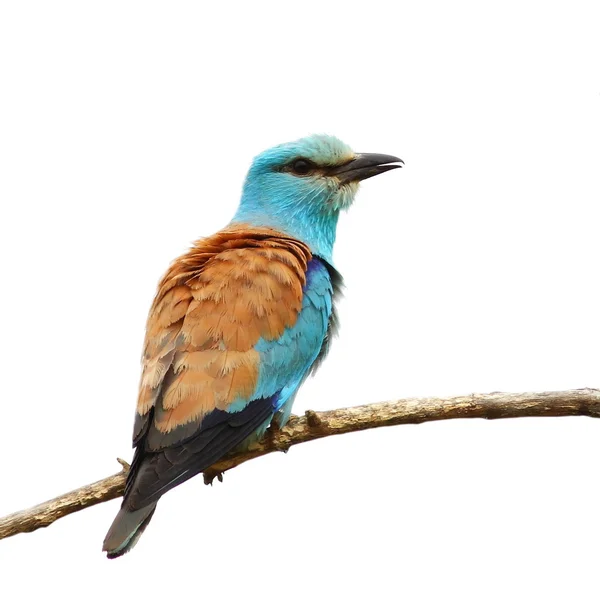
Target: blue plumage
{"type": "Point", "coordinates": [306, 208]}
{"type": "Point", "coordinates": [285, 362]}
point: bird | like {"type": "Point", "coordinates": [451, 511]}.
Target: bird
{"type": "Point", "coordinates": [239, 322]}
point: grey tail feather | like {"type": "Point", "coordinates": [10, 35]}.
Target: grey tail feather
{"type": "Point", "coordinates": [126, 529]}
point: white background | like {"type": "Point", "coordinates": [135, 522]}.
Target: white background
{"type": "Point", "coordinates": [126, 129]}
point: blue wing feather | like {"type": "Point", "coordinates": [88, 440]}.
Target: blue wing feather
{"type": "Point", "coordinates": [285, 362]}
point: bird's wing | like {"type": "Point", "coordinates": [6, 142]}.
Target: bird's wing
{"type": "Point", "coordinates": [235, 326]}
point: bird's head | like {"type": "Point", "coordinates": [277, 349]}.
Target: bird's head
{"type": "Point", "coordinates": [301, 187]}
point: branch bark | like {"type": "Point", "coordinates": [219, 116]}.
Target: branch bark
{"type": "Point", "coordinates": [315, 425]}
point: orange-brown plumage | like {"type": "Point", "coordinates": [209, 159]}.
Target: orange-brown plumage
{"type": "Point", "coordinates": [212, 306]}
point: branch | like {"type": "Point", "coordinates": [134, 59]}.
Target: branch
{"type": "Point", "coordinates": [315, 425]}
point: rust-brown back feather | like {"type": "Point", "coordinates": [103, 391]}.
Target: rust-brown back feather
{"type": "Point", "coordinates": [212, 306]}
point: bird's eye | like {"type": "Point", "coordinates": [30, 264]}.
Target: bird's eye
{"type": "Point", "coordinates": [301, 166]}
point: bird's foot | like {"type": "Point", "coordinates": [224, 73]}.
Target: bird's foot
{"type": "Point", "coordinates": [272, 431]}
{"type": "Point", "coordinates": [274, 427]}
{"type": "Point", "coordinates": [210, 475]}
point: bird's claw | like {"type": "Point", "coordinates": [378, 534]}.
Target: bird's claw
{"type": "Point", "coordinates": [209, 476]}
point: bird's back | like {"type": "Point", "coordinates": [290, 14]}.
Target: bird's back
{"type": "Point", "coordinates": [236, 325]}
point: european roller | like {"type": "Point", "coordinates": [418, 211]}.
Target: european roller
{"type": "Point", "coordinates": [239, 321]}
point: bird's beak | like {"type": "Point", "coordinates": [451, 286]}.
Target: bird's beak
{"type": "Point", "coordinates": [365, 166]}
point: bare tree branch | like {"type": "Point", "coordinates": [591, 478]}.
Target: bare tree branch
{"type": "Point", "coordinates": [316, 425]}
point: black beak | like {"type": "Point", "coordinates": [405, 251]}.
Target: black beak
{"type": "Point", "coordinates": [365, 166]}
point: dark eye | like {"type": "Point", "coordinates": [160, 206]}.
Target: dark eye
{"type": "Point", "coordinates": [301, 166]}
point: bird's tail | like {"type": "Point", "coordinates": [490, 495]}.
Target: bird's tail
{"type": "Point", "coordinates": [126, 530]}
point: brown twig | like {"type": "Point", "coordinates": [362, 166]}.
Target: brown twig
{"type": "Point", "coordinates": [316, 425]}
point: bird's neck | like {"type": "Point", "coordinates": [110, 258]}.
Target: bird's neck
{"type": "Point", "coordinates": [304, 223]}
